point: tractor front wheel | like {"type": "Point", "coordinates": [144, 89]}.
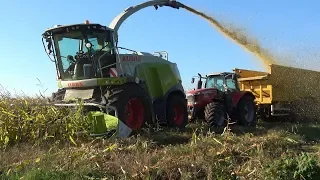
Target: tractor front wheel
{"type": "Point", "coordinates": [177, 113]}
{"type": "Point", "coordinates": [215, 114]}
{"type": "Point", "coordinates": [132, 104]}
{"type": "Point", "coordinates": [247, 111]}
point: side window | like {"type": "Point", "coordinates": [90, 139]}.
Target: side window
{"type": "Point", "coordinates": [220, 82]}
{"type": "Point", "coordinates": [210, 83]}
{"type": "Point", "coordinates": [230, 84]}
{"type": "Point", "coordinates": [67, 47]}
{"type": "Point", "coordinates": [94, 43]}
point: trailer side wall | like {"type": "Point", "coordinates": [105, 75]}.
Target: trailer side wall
{"type": "Point", "coordinates": [290, 84]}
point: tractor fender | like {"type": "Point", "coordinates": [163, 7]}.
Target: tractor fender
{"type": "Point", "coordinates": [160, 104]}
{"type": "Point", "coordinates": [217, 99]}
{"type": "Point", "coordinates": [239, 95]}
{"type": "Point", "coordinates": [175, 90]}
{"type": "Point", "coordinates": [140, 85]}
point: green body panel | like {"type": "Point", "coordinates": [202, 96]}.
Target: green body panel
{"type": "Point", "coordinates": [159, 78]}
{"type": "Point", "coordinates": [92, 82]}
{"type": "Point", "coordinates": [104, 124]}
{"type": "Point", "coordinates": [112, 81]}
{"type": "Point", "coordinates": [59, 84]}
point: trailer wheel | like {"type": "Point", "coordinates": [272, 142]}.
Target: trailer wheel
{"type": "Point", "coordinates": [177, 112]}
{"type": "Point", "coordinates": [247, 112]}
{"type": "Point", "coordinates": [215, 114]}
{"type": "Point", "coordinates": [132, 104]}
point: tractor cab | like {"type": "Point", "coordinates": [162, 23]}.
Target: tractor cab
{"type": "Point", "coordinates": [224, 81]}
{"type": "Point", "coordinates": [221, 86]}
{"type": "Point", "coordinates": [80, 51]}
{"type": "Point", "coordinates": [221, 98]}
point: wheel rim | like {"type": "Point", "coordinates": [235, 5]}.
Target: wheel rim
{"type": "Point", "coordinates": [248, 112]}
{"type": "Point", "coordinates": [134, 114]}
{"type": "Point", "coordinates": [178, 115]}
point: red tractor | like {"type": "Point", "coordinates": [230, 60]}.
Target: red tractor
{"type": "Point", "coordinates": [221, 99]}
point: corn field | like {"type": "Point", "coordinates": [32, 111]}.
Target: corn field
{"type": "Point", "coordinates": [31, 120]}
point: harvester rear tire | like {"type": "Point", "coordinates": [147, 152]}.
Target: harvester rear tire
{"type": "Point", "coordinates": [177, 112]}
{"type": "Point", "coordinates": [247, 104]}
{"type": "Point", "coordinates": [215, 114]}
{"type": "Point", "coordinates": [132, 99]}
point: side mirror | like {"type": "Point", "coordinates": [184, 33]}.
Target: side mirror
{"type": "Point", "coordinates": [199, 84]}
{"type": "Point", "coordinates": [192, 80]}
{"type": "Point", "coordinates": [49, 46]}
{"type": "Point", "coordinates": [234, 77]}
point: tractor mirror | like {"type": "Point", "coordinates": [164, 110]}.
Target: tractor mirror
{"type": "Point", "coordinates": [49, 46]}
{"type": "Point", "coordinates": [234, 77]}
{"type": "Point", "coordinates": [192, 80]}
{"type": "Point", "coordinates": [199, 84]}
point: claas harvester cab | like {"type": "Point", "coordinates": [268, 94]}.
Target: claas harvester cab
{"type": "Point", "coordinates": [134, 88]}
{"type": "Point", "coordinates": [221, 101]}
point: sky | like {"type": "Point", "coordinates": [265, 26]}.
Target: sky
{"type": "Point", "coordinates": [289, 29]}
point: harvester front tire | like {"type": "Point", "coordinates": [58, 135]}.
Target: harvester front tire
{"type": "Point", "coordinates": [58, 96]}
{"type": "Point", "coordinates": [177, 112]}
{"type": "Point", "coordinates": [215, 114]}
{"type": "Point", "coordinates": [132, 103]}
{"type": "Point", "coordinates": [247, 112]}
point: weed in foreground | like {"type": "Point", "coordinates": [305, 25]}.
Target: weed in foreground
{"type": "Point", "coordinates": [35, 140]}
{"type": "Point", "coordinates": [301, 166]}
{"type": "Point", "coordinates": [204, 156]}
{"type": "Point", "coordinates": [32, 121]}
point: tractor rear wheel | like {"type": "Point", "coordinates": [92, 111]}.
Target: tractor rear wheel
{"type": "Point", "coordinates": [247, 112]}
{"type": "Point", "coordinates": [215, 114]}
{"type": "Point", "coordinates": [177, 113]}
{"type": "Point", "coordinates": [132, 103]}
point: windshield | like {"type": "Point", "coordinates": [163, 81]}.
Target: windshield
{"type": "Point", "coordinates": [218, 82]}
{"type": "Point", "coordinates": [70, 44]}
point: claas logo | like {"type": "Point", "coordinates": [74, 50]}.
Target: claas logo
{"type": "Point", "coordinates": [79, 84]}
{"type": "Point", "coordinates": [131, 58]}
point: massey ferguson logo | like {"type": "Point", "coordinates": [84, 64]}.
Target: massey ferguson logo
{"type": "Point", "coordinates": [131, 58]}
{"type": "Point", "coordinates": [75, 84]}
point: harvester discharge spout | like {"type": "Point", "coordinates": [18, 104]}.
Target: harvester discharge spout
{"type": "Point", "coordinates": [118, 20]}
{"type": "Point", "coordinates": [171, 3]}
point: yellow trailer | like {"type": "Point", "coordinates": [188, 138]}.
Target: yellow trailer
{"type": "Point", "coordinates": [283, 90]}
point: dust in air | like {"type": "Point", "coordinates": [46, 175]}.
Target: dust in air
{"type": "Point", "coordinates": [304, 87]}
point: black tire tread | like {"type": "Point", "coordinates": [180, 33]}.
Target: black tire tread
{"type": "Point", "coordinates": [241, 104]}
{"type": "Point", "coordinates": [119, 95]}
{"type": "Point", "coordinates": [211, 113]}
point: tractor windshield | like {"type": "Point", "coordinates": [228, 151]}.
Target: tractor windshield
{"type": "Point", "coordinates": [76, 51]}
{"type": "Point", "coordinates": [218, 82]}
